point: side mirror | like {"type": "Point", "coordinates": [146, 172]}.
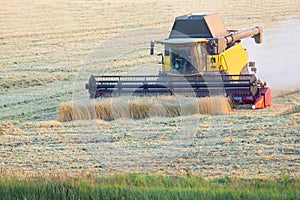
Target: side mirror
{"type": "Point", "coordinates": [162, 58]}
{"type": "Point", "coordinates": [152, 48]}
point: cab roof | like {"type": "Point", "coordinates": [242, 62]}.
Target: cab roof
{"type": "Point", "coordinates": [198, 26]}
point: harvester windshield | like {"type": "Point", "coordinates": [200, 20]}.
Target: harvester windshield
{"type": "Point", "coordinates": [186, 59]}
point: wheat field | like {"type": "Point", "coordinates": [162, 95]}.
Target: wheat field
{"type": "Point", "coordinates": [50, 48]}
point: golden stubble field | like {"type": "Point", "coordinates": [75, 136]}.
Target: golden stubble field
{"type": "Point", "coordinates": [50, 48]}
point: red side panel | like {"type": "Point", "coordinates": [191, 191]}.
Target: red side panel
{"type": "Point", "coordinates": [264, 100]}
{"type": "Point", "coordinates": [268, 98]}
{"type": "Point", "coordinates": [259, 103]}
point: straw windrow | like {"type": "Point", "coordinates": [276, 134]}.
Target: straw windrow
{"type": "Point", "coordinates": [141, 107]}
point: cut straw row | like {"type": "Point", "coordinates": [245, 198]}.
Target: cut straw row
{"type": "Point", "coordinates": [142, 107]}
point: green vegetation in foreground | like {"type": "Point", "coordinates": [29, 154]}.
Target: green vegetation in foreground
{"type": "Point", "coordinates": [134, 186]}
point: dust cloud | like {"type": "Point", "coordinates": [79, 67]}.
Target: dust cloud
{"type": "Point", "coordinates": [278, 57]}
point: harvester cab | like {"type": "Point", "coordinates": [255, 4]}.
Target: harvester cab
{"type": "Point", "coordinates": [183, 56]}
{"type": "Point", "coordinates": [201, 44]}
{"type": "Point", "coordinates": [201, 58]}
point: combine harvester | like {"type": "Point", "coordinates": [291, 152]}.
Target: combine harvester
{"type": "Point", "coordinates": [201, 58]}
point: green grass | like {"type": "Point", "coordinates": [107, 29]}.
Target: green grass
{"type": "Point", "coordinates": [134, 186]}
